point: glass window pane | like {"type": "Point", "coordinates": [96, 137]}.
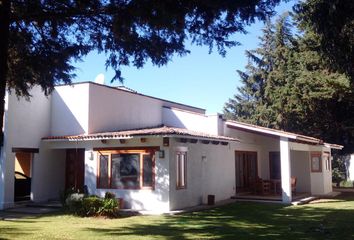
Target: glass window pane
{"type": "Point", "coordinates": [125, 170]}
{"type": "Point", "coordinates": [275, 170]}
{"type": "Point", "coordinates": [147, 170]}
{"type": "Point", "coordinates": [103, 174]}
{"type": "Point", "coordinates": [116, 182]}
{"type": "Point", "coordinates": [181, 169]}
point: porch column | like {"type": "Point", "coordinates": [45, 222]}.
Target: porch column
{"type": "Point", "coordinates": [285, 170]}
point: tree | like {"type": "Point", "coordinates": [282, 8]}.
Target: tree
{"type": "Point", "coordinates": [301, 93]}
{"type": "Point", "coordinates": [333, 23]}
{"type": "Point", "coordinates": [39, 39]}
{"type": "Point", "coordinates": [245, 105]}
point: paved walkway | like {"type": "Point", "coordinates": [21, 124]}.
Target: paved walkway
{"type": "Point", "coordinates": [28, 211]}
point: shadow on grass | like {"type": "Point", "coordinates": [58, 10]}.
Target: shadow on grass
{"type": "Point", "coordinates": [12, 232]}
{"type": "Point", "coordinates": [246, 221]}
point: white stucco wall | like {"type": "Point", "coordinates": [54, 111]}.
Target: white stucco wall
{"type": "Point", "coordinates": [351, 167]}
{"type": "Point", "coordinates": [327, 173]}
{"type": "Point", "coordinates": [70, 109]}
{"type": "Point", "coordinates": [25, 123]}
{"type": "Point", "coordinates": [156, 200]}
{"type": "Point", "coordinates": [300, 168]}
{"type": "Point", "coordinates": [193, 121]}
{"type": "Point", "coordinates": [215, 175]}
{"type": "Point", "coordinates": [111, 109]}
{"type": "Point", "coordinates": [48, 174]}
{"type": "Point", "coordinates": [256, 143]}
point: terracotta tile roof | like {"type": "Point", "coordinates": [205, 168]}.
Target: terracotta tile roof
{"type": "Point", "coordinates": [272, 131]}
{"type": "Point", "coordinates": [280, 133]}
{"type": "Point", "coordinates": [154, 131]}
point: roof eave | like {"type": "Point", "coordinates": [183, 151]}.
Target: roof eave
{"type": "Point", "coordinates": [270, 132]}
{"type": "Point", "coordinates": [84, 138]}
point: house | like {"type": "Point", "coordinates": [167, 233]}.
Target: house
{"type": "Point", "coordinates": [349, 164]}
{"type": "Point", "coordinates": [155, 154]}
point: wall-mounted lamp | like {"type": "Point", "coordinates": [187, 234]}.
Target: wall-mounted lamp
{"type": "Point", "coordinates": [104, 141]}
{"type": "Point", "coordinates": [204, 159]}
{"type": "Point", "coordinates": [122, 141]}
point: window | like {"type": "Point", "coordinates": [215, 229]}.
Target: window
{"type": "Point", "coordinates": [103, 171]}
{"type": "Point", "coordinates": [181, 160]}
{"type": "Point", "coordinates": [126, 169]}
{"type": "Point", "coordinates": [274, 165]}
{"type": "Point", "coordinates": [327, 160]}
{"type": "Point", "coordinates": [316, 162]}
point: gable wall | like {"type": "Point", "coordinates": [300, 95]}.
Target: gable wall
{"type": "Point", "coordinates": [25, 122]}
{"type": "Point", "coordinates": [191, 120]}
{"type": "Point", "coordinates": [69, 110]}
{"type": "Point", "coordinates": [111, 110]}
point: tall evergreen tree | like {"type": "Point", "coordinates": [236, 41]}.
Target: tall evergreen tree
{"type": "Point", "coordinates": [301, 93]}
{"type": "Point", "coordinates": [333, 23]}
{"type": "Point", "coordinates": [246, 104]}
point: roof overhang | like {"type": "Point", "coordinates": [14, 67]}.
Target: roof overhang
{"type": "Point", "coordinates": [273, 132]}
{"type": "Point", "coordinates": [333, 146]}
{"type": "Point", "coordinates": [141, 133]}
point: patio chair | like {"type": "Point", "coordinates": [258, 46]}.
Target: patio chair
{"type": "Point", "coordinates": [266, 187]}
{"type": "Point", "coordinates": [256, 185]}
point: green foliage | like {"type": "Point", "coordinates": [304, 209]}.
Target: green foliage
{"type": "Point", "coordinates": [333, 23]}
{"type": "Point", "coordinates": [63, 195]}
{"type": "Point", "coordinates": [40, 40]}
{"type": "Point", "coordinates": [287, 85]}
{"type": "Point", "coordinates": [46, 36]}
{"type": "Point", "coordinates": [87, 206]}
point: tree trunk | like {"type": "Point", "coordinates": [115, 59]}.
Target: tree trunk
{"type": "Point", "coordinates": [4, 45]}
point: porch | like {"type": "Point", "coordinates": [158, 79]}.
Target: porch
{"type": "Point", "coordinates": [282, 170]}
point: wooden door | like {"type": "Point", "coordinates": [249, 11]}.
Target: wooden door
{"type": "Point", "coordinates": [75, 169]}
{"type": "Point", "coordinates": [246, 169]}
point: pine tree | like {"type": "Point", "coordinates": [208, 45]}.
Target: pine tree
{"type": "Point", "coordinates": [245, 105]}
{"type": "Point", "coordinates": [300, 94]}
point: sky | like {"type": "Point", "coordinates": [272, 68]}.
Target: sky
{"type": "Point", "coordinates": [199, 79]}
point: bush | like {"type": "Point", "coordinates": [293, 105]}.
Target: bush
{"type": "Point", "coordinates": [87, 206]}
{"type": "Point", "coordinates": [109, 195]}
{"type": "Point", "coordinates": [63, 195]}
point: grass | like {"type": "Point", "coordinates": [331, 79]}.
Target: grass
{"type": "Point", "coordinates": [324, 220]}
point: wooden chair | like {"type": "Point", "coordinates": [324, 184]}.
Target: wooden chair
{"type": "Point", "coordinates": [256, 185]}
{"type": "Point", "coordinates": [293, 184]}
{"type": "Point", "coordinates": [266, 186]}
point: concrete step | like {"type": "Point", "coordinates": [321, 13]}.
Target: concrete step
{"type": "Point", "coordinates": [51, 204]}
{"type": "Point", "coordinates": [304, 200]}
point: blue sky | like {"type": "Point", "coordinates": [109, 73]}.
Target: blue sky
{"type": "Point", "coordinates": [199, 79]}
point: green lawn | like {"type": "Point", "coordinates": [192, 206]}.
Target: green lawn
{"type": "Point", "coordinates": [330, 220]}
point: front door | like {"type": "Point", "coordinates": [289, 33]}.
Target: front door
{"type": "Point", "coordinates": [246, 169]}
{"type": "Point", "coordinates": [23, 175]}
{"type": "Point", "coordinates": [75, 168]}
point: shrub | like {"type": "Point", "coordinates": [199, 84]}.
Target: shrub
{"type": "Point", "coordinates": [110, 207]}
{"type": "Point", "coordinates": [73, 202]}
{"type": "Point", "coordinates": [63, 195]}
{"type": "Point", "coordinates": [91, 206]}
{"type": "Point", "coordinates": [109, 195]}
{"type": "Point", "coordinates": [87, 206]}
